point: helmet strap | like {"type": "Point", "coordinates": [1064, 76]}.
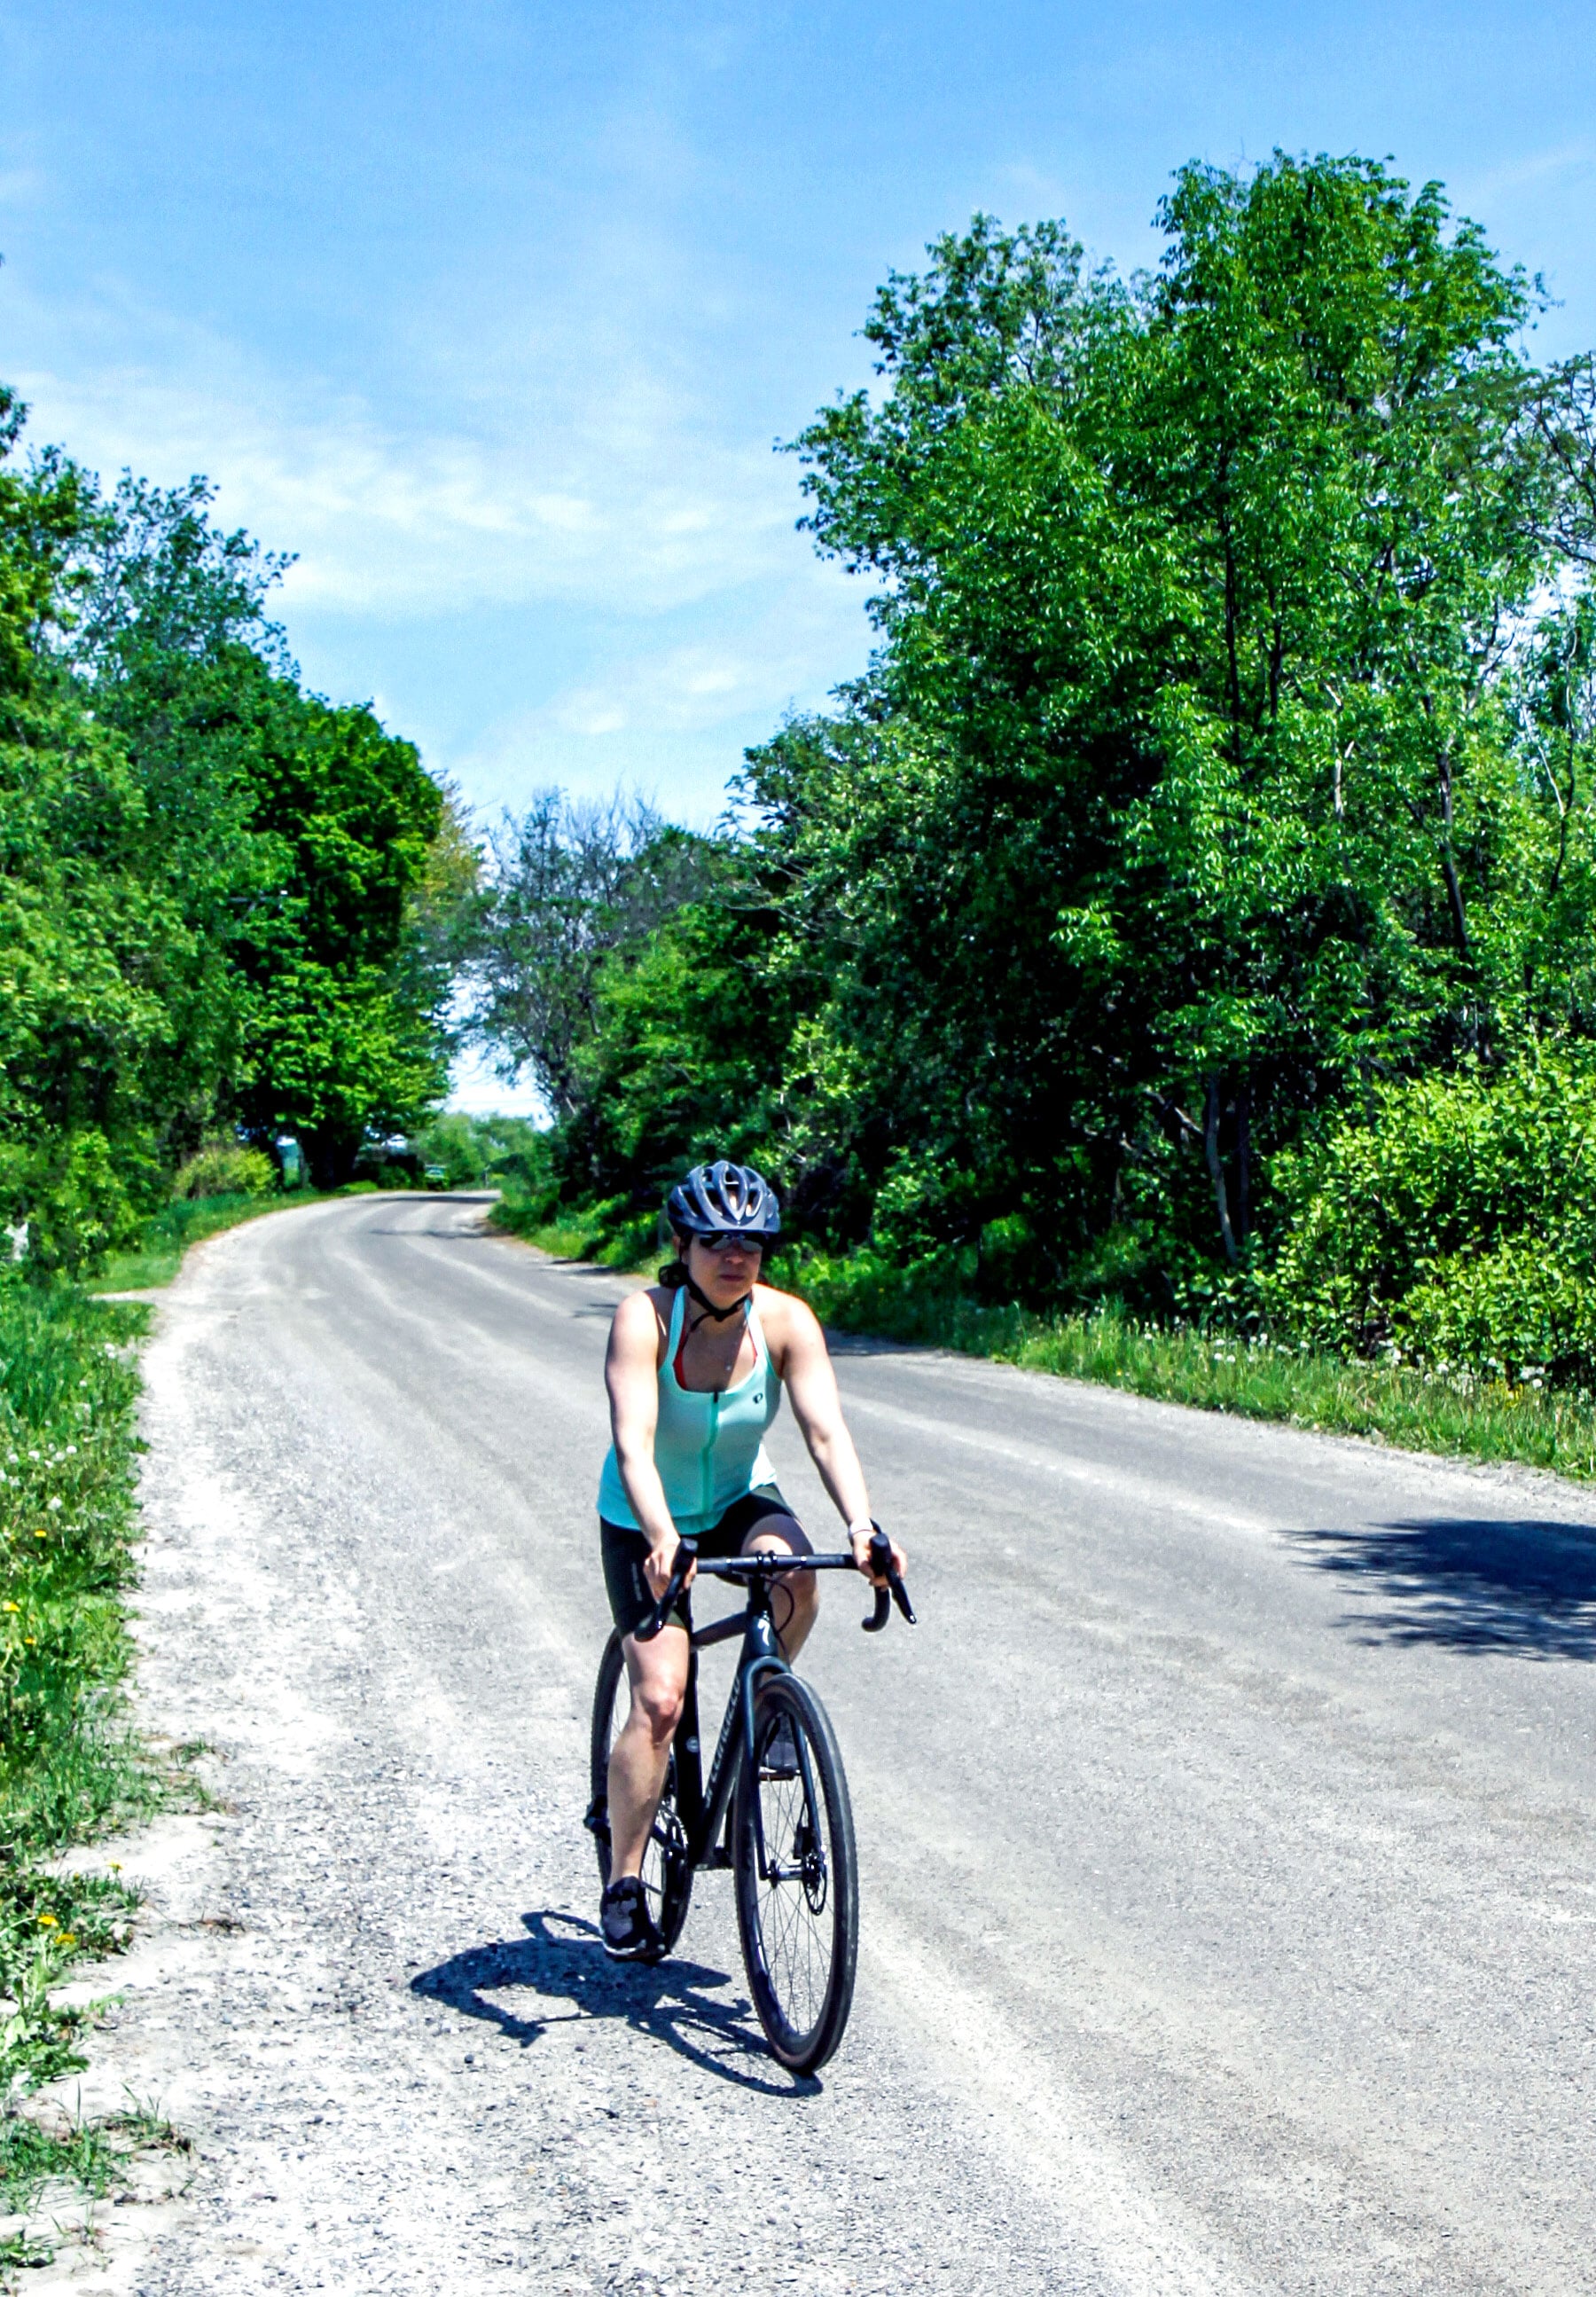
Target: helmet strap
{"type": "Point", "coordinates": [709, 1307]}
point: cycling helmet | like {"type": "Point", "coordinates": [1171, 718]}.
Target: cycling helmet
{"type": "Point", "coordinates": [717, 1199]}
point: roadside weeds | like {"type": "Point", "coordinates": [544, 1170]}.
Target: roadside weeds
{"type": "Point", "coordinates": [1458, 1416]}
{"type": "Point", "coordinates": [1454, 1415]}
{"type": "Point", "coordinates": [72, 1769]}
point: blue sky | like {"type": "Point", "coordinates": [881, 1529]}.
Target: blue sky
{"type": "Point", "coordinates": [493, 312]}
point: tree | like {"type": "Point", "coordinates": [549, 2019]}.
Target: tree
{"type": "Point", "coordinates": [221, 899]}
{"type": "Point", "coordinates": [1183, 766]}
{"type": "Point", "coordinates": [319, 858]}
{"type": "Point", "coordinates": [568, 883]}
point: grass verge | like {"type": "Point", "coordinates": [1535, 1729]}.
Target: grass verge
{"type": "Point", "coordinates": [71, 1766]}
{"type": "Point", "coordinates": [629, 1247]}
{"type": "Point", "coordinates": [169, 1233]}
{"type": "Point", "coordinates": [1461, 1415]}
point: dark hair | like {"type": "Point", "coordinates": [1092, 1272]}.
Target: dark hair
{"type": "Point", "coordinates": [674, 1275]}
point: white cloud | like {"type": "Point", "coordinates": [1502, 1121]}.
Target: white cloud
{"type": "Point", "coordinates": [594, 486]}
{"type": "Point", "coordinates": [687, 708]}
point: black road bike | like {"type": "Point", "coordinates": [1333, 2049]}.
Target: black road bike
{"type": "Point", "coordinates": [775, 1809]}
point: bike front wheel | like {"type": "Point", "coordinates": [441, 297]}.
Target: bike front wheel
{"type": "Point", "coordinates": [797, 1876]}
{"type": "Point", "coordinates": [667, 1869]}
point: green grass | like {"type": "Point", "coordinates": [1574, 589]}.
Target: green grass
{"type": "Point", "coordinates": [1463, 1415]}
{"type": "Point", "coordinates": [169, 1233]}
{"type": "Point", "coordinates": [71, 1766]}
{"type": "Point", "coordinates": [629, 1246]}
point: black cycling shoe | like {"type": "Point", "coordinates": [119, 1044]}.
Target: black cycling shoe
{"type": "Point", "coordinates": [626, 1927]}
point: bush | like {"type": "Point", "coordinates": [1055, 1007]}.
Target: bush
{"type": "Point", "coordinates": [1453, 1223]}
{"type": "Point", "coordinates": [225, 1168]}
{"type": "Point", "coordinates": [80, 1195]}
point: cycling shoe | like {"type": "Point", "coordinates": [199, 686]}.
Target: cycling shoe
{"type": "Point", "coordinates": [628, 1929]}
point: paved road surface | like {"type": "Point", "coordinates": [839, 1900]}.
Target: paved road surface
{"type": "Point", "coordinates": [1229, 1881]}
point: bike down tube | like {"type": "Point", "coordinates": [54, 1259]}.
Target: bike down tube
{"type": "Point", "coordinates": [760, 1657]}
{"type": "Point", "coordinates": [689, 1762]}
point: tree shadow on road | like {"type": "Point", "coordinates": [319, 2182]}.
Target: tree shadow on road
{"type": "Point", "coordinates": [677, 2002]}
{"type": "Point", "coordinates": [1513, 1585]}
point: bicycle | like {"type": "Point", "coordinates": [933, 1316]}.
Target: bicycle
{"type": "Point", "coordinates": [781, 1820]}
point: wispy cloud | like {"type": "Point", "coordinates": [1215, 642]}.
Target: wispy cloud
{"type": "Point", "coordinates": [1534, 168]}
{"type": "Point", "coordinates": [651, 706]}
{"type": "Point", "coordinates": [391, 522]}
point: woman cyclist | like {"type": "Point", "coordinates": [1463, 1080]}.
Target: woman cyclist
{"type": "Point", "coordinates": [696, 1369]}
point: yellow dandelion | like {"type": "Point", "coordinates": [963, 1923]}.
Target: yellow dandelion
{"type": "Point", "coordinates": [48, 1921]}
{"type": "Point", "coordinates": [13, 1606]}
{"type": "Point", "coordinates": [69, 1938]}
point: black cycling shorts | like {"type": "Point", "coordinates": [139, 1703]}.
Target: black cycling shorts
{"type": "Point", "coordinates": [763, 1509]}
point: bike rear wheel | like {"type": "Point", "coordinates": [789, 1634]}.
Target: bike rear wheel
{"type": "Point", "coordinates": [667, 1870]}
{"type": "Point", "coordinates": [799, 1917]}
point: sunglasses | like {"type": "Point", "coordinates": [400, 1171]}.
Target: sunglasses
{"type": "Point", "coordinates": [724, 1242]}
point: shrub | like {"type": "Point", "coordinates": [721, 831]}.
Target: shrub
{"type": "Point", "coordinates": [1454, 1222]}
{"type": "Point", "coordinates": [225, 1168]}
{"type": "Point", "coordinates": [80, 1194]}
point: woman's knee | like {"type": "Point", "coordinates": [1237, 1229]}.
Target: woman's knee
{"type": "Point", "coordinates": [659, 1702]}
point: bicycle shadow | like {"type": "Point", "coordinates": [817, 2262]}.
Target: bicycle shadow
{"type": "Point", "coordinates": [669, 2001]}
{"type": "Point", "coordinates": [1515, 1585]}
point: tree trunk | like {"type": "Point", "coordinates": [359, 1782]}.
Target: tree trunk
{"type": "Point", "coordinates": [1449, 868]}
{"type": "Point", "coordinates": [1244, 1163]}
{"type": "Point", "coordinates": [1216, 1170]}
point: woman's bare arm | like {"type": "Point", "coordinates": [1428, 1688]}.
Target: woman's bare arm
{"type": "Point", "coordinates": [805, 1367]}
{"type": "Point", "coordinates": [632, 1376]}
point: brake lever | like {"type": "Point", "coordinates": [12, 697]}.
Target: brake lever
{"type": "Point", "coordinates": [895, 1592]}
{"type": "Point", "coordinates": [686, 1555]}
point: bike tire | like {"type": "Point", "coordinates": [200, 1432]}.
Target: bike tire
{"type": "Point", "coordinates": [799, 1933]}
{"type": "Point", "coordinates": [667, 1869]}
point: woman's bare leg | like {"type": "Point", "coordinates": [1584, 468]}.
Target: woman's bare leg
{"type": "Point", "coordinates": [658, 1674]}
{"type": "Point", "coordinates": [797, 1598]}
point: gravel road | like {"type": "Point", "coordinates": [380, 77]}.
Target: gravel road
{"type": "Point", "coordinates": [1229, 1877]}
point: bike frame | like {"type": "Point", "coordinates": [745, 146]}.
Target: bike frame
{"type": "Point", "coordinates": [705, 1818]}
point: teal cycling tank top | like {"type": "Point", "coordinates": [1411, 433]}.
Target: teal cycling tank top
{"type": "Point", "coordinates": [709, 1448]}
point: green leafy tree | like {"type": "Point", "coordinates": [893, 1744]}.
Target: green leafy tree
{"type": "Point", "coordinates": [322, 864]}
{"type": "Point", "coordinates": [222, 900]}
{"type": "Point", "coordinates": [1182, 792]}
{"type": "Point", "coordinates": [569, 882]}
{"type": "Point", "coordinates": [1225, 762]}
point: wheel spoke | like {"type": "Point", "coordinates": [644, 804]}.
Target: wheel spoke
{"type": "Point", "coordinates": [795, 1931]}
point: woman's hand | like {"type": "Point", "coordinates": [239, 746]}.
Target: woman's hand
{"type": "Point", "coordinates": [658, 1565]}
{"type": "Point", "coordinates": [861, 1555]}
